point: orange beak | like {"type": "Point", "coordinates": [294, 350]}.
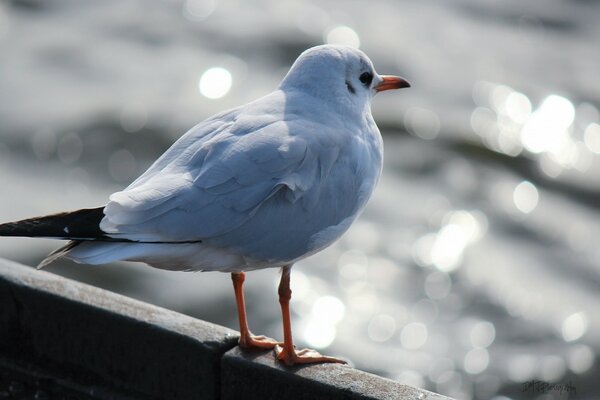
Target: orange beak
{"type": "Point", "coordinates": [391, 82]}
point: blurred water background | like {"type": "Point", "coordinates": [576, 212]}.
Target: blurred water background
{"type": "Point", "coordinates": [475, 267]}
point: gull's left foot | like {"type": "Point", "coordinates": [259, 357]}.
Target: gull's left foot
{"type": "Point", "coordinates": [305, 356]}
{"type": "Point", "coordinates": [257, 342]}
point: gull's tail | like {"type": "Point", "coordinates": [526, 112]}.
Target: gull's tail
{"type": "Point", "coordinates": [76, 226]}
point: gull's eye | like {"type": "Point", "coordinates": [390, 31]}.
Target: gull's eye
{"type": "Point", "coordinates": [366, 78]}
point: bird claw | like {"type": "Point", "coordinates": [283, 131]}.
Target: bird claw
{"type": "Point", "coordinates": [257, 342]}
{"type": "Point", "coordinates": [304, 356]}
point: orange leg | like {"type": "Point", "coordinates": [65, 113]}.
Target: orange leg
{"type": "Point", "coordinates": [287, 353]}
{"type": "Point", "coordinates": [247, 339]}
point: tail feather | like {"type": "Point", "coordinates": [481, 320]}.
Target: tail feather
{"type": "Point", "coordinates": [56, 254]}
{"type": "Point", "coordinates": [80, 224]}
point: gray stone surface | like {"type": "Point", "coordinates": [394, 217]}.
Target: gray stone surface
{"type": "Point", "coordinates": [105, 340]}
{"type": "Point", "coordinates": [259, 376]}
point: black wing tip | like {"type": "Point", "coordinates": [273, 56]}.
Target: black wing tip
{"type": "Point", "coordinates": [80, 224]}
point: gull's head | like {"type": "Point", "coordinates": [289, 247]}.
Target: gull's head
{"type": "Point", "coordinates": [341, 74]}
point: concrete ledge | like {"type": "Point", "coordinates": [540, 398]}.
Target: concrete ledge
{"type": "Point", "coordinates": [101, 345]}
{"type": "Point", "coordinates": [259, 376]}
{"type": "Point", "coordinates": [102, 339]}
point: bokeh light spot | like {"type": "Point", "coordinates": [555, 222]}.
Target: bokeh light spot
{"type": "Point", "coordinates": [525, 197]}
{"type": "Point", "coordinates": [215, 83]}
{"type": "Point", "coordinates": [422, 123]}
{"type": "Point", "coordinates": [319, 334]}
{"type": "Point", "coordinates": [518, 107]}
{"type": "Point", "coordinates": [552, 368]}
{"type": "Point", "coordinates": [198, 10]}
{"type": "Point", "coordinates": [300, 285]}
{"type": "Point", "coordinates": [381, 328]}
{"type": "Point", "coordinates": [574, 326]}
{"type": "Point", "coordinates": [329, 308]}
{"type": "Point", "coordinates": [581, 359]}
{"type": "Point", "coordinates": [448, 248]}
{"type": "Point", "coordinates": [342, 34]}
{"type": "Point", "coordinates": [476, 361]}
{"type": "Point", "coordinates": [521, 368]}
{"type": "Point", "coordinates": [482, 334]}
{"type": "Point", "coordinates": [413, 336]}
{"type": "Point", "coordinates": [547, 129]}
{"type": "Point", "coordinates": [592, 137]}
{"type": "Point", "coordinates": [437, 285]}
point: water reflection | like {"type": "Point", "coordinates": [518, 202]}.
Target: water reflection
{"type": "Point", "coordinates": [552, 132]}
{"type": "Point", "coordinates": [470, 270]}
{"type": "Point", "coordinates": [445, 249]}
{"type": "Point", "coordinates": [547, 130]}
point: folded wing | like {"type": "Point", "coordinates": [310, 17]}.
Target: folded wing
{"type": "Point", "coordinates": [209, 185]}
